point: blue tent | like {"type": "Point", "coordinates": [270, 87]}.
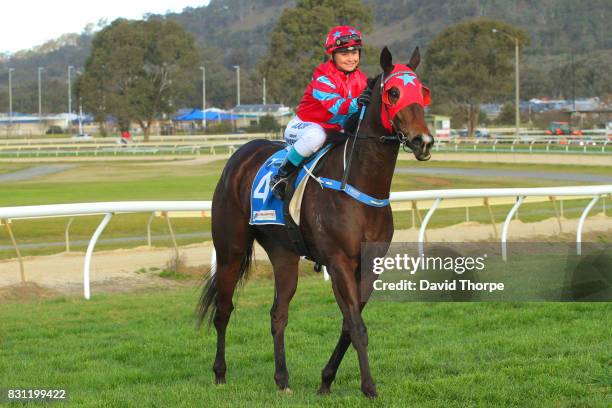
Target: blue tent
{"type": "Point", "coordinates": [197, 115]}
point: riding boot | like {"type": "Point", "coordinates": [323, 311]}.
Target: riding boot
{"type": "Point", "coordinates": [278, 183]}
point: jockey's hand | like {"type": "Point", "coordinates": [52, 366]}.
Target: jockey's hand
{"type": "Point", "coordinates": [364, 98]}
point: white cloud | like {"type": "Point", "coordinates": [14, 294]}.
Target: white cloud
{"type": "Point", "coordinates": [25, 24]}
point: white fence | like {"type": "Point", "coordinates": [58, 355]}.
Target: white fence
{"type": "Point", "coordinates": [195, 145]}
{"type": "Point", "coordinates": [111, 208]}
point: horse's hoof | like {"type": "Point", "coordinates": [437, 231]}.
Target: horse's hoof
{"type": "Point", "coordinates": [369, 392]}
{"type": "Point", "coordinates": [324, 390]}
{"type": "Point", "coordinates": [220, 380]}
{"type": "Point", "coordinates": [286, 391]}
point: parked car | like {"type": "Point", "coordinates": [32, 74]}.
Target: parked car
{"type": "Point", "coordinates": [477, 133]}
{"type": "Point", "coordinates": [562, 128]}
{"type": "Point", "coordinates": [482, 133]}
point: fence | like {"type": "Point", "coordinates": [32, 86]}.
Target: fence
{"type": "Point", "coordinates": [111, 208]}
{"type": "Point", "coordinates": [209, 144]}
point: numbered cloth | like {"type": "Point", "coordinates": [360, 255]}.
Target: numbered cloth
{"type": "Point", "coordinates": [265, 207]}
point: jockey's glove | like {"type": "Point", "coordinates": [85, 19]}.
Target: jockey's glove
{"type": "Point", "coordinates": [364, 98]}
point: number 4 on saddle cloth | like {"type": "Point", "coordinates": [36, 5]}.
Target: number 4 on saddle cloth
{"type": "Point", "coordinates": [267, 209]}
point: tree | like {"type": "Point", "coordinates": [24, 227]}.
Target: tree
{"type": "Point", "coordinates": [507, 114]}
{"type": "Point", "coordinates": [297, 43]}
{"type": "Point", "coordinates": [268, 124]}
{"type": "Point", "coordinates": [467, 64]}
{"type": "Point", "coordinates": [135, 71]}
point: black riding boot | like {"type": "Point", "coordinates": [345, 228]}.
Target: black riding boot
{"type": "Point", "coordinates": [278, 183]}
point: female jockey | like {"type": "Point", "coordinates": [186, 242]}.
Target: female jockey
{"type": "Point", "coordinates": [337, 89]}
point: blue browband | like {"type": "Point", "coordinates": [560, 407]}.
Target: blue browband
{"type": "Point", "coordinates": [353, 192]}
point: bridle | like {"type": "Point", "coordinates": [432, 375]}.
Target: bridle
{"type": "Point", "coordinates": [397, 136]}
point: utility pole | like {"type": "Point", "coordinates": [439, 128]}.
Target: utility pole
{"type": "Point", "coordinates": [238, 83]}
{"type": "Point", "coordinates": [203, 97]}
{"type": "Point", "coordinates": [516, 79]}
{"type": "Point", "coordinates": [70, 68]}
{"type": "Point", "coordinates": [10, 72]}
{"type": "Point", "coordinates": [80, 118]}
{"type": "Point", "coordinates": [264, 90]}
{"type": "Point", "coordinates": [40, 69]}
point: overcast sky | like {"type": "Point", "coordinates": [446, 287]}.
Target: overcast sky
{"type": "Point", "coordinates": [25, 24]}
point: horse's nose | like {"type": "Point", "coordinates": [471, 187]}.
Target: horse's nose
{"type": "Point", "coordinates": [427, 139]}
{"type": "Point", "coordinates": [426, 143]}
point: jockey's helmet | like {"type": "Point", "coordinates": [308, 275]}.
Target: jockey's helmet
{"type": "Point", "coordinates": [343, 38]}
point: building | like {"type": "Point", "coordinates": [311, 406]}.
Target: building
{"type": "Point", "coordinates": [22, 124]}
{"type": "Point", "coordinates": [439, 125]}
{"type": "Point", "coordinates": [249, 115]}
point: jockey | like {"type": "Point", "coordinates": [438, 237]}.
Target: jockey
{"type": "Point", "coordinates": [337, 89]}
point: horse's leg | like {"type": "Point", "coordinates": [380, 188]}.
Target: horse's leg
{"type": "Point", "coordinates": [231, 258]}
{"type": "Point", "coordinates": [285, 264]}
{"type": "Point", "coordinates": [328, 375]}
{"type": "Point", "coordinates": [346, 290]}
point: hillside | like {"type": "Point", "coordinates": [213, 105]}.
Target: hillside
{"type": "Point", "coordinates": [235, 32]}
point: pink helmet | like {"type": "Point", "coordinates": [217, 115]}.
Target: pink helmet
{"type": "Point", "coordinates": [343, 38]}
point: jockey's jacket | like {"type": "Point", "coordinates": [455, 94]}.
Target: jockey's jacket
{"type": "Point", "coordinates": [331, 96]}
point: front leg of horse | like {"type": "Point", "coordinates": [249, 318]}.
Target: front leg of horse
{"type": "Point", "coordinates": [359, 338]}
{"type": "Point", "coordinates": [348, 297]}
{"type": "Point", "coordinates": [328, 375]}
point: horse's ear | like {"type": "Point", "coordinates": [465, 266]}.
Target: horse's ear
{"type": "Point", "coordinates": [415, 59]}
{"type": "Point", "coordinates": [386, 61]}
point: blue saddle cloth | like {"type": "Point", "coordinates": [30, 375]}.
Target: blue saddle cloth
{"type": "Point", "coordinates": [265, 207]}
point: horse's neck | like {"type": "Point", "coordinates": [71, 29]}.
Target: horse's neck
{"type": "Point", "coordinates": [373, 166]}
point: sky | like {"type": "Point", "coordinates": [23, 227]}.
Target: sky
{"type": "Point", "coordinates": [25, 24]}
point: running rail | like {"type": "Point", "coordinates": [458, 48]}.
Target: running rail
{"type": "Point", "coordinates": [111, 208]}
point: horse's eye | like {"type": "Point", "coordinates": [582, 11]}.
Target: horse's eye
{"type": "Point", "coordinates": [394, 93]}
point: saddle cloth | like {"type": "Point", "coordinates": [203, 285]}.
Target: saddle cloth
{"type": "Point", "coordinates": [265, 207]}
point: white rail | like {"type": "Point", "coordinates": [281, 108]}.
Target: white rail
{"type": "Point", "coordinates": [111, 208]}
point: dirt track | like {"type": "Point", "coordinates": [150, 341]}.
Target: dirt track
{"type": "Point", "coordinates": [116, 270]}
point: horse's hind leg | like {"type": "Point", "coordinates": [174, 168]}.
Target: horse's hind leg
{"type": "Point", "coordinates": [285, 265]}
{"type": "Point", "coordinates": [233, 259]}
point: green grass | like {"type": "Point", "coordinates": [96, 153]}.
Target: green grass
{"type": "Point", "coordinates": [141, 349]}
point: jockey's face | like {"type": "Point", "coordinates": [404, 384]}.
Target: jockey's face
{"type": "Point", "coordinates": [346, 61]}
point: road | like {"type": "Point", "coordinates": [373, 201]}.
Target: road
{"type": "Point", "coordinates": [33, 172]}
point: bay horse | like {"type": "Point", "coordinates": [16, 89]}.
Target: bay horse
{"type": "Point", "coordinates": [332, 223]}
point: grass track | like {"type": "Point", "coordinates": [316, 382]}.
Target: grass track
{"type": "Point", "coordinates": [141, 349]}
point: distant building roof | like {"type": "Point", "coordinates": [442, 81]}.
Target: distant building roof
{"type": "Point", "coordinates": [260, 109]}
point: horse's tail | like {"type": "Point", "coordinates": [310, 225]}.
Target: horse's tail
{"type": "Point", "coordinates": [208, 298]}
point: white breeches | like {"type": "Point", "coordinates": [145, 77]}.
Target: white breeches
{"type": "Point", "coordinates": [306, 137]}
